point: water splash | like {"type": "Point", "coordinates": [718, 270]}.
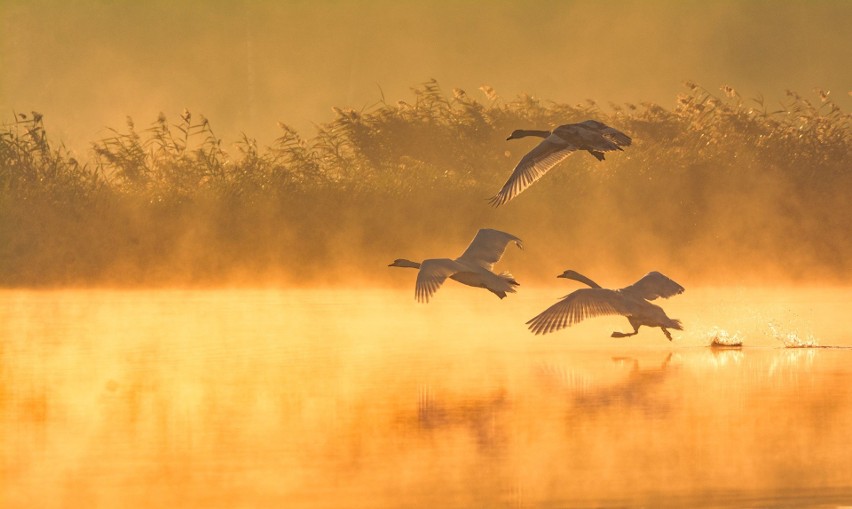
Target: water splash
{"type": "Point", "coordinates": [720, 337]}
{"type": "Point", "coordinates": [791, 338]}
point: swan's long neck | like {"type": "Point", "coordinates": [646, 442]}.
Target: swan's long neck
{"type": "Point", "coordinates": [402, 262]}
{"type": "Point", "coordinates": [523, 133]}
{"type": "Point", "coordinates": [576, 276]}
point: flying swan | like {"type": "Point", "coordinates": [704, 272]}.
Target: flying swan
{"type": "Point", "coordinates": [473, 268]}
{"type": "Point", "coordinates": [631, 301]}
{"type": "Point", "coordinates": [591, 135]}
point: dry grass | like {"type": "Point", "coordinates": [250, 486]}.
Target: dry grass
{"type": "Point", "coordinates": [718, 187]}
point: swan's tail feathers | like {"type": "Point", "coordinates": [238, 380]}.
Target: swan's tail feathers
{"type": "Point", "coordinates": [676, 324]}
{"type": "Point", "coordinates": [504, 284]}
{"type": "Point", "coordinates": [505, 276]}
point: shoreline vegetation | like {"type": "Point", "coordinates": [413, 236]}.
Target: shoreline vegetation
{"type": "Point", "coordinates": [719, 187]}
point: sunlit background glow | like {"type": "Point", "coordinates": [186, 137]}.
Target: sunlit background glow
{"type": "Point", "coordinates": [249, 64]}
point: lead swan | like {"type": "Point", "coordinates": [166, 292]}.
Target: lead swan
{"type": "Point", "coordinates": [473, 268]}
{"type": "Point", "coordinates": [591, 135]}
{"type": "Point", "coordinates": [631, 301]}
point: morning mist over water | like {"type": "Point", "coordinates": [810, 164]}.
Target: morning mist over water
{"type": "Point", "coordinates": [316, 398]}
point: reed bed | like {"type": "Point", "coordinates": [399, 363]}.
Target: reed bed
{"type": "Point", "coordinates": [717, 186]}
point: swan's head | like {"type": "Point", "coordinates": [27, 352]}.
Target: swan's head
{"type": "Point", "coordinates": [570, 274]}
{"type": "Point", "coordinates": [402, 262]}
{"type": "Point", "coordinates": [517, 133]}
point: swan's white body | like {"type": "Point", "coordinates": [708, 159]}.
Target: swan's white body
{"type": "Point", "coordinates": [630, 301]}
{"type": "Point", "coordinates": [473, 268]}
{"type": "Point", "coordinates": [591, 135]}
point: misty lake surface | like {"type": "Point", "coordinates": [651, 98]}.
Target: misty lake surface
{"type": "Point", "coordinates": [363, 398]}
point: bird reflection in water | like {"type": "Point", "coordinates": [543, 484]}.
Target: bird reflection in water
{"type": "Point", "coordinates": [639, 390]}
{"type": "Point", "coordinates": [480, 416]}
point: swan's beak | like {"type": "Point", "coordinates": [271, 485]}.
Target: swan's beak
{"type": "Point", "coordinates": [561, 275]}
{"type": "Point", "coordinates": [510, 138]}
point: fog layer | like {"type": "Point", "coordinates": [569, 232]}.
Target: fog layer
{"type": "Point", "coordinates": [88, 64]}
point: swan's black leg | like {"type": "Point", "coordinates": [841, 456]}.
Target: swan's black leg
{"type": "Point", "coordinates": [627, 334]}
{"type": "Point", "coordinates": [666, 332]}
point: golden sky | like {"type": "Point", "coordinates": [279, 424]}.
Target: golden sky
{"type": "Point", "coordinates": [246, 65]}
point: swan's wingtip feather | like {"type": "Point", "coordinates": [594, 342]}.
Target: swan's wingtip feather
{"type": "Point", "coordinates": [497, 200]}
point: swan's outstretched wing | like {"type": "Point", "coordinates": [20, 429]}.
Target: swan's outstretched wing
{"type": "Point", "coordinates": [487, 247]}
{"type": "Point", "coordinates": [550, 152]}
{"type": "Point", "coordinates": [653, 285]}
{"type": "Point", "coordinates": [578, 305]}
{"type": "Point", "coordinates": [610, 135]}
{"type": "Point", "coordinates": [432, 274]}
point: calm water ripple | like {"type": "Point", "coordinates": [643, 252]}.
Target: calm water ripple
{"type": "Point", "coordinates": [345, 398]}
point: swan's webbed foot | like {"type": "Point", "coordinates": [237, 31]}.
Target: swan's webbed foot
{"type": "Point", "coordinates": [598, 155]}
{"type": "Point", "coordinates": [617, 334]}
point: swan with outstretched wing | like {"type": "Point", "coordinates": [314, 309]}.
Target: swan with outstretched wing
{"type": "Point", "coordinates": [631, 301]}
{"type": "Point", "coordinates": [473, 268]}
{"type": "Point", "coordinates": [591, 135]}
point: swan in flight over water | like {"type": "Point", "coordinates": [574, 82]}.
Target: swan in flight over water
{"type": "Point", "coordinates": [473, 268]}
{"type": "Point", "coordinates": [631, 301]}
{"type": "Point", "coordinates": [591, 135]}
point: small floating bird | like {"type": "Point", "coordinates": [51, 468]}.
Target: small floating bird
{"type": "Point", "coordinates": [591, 135]}
{"type": "Point", "coordinates": [631, 301]}
{"type": "Point", "coordinates": [473, 268]}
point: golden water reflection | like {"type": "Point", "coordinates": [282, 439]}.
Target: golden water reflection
{"type": "Point", "coordinates": [345, 398]}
